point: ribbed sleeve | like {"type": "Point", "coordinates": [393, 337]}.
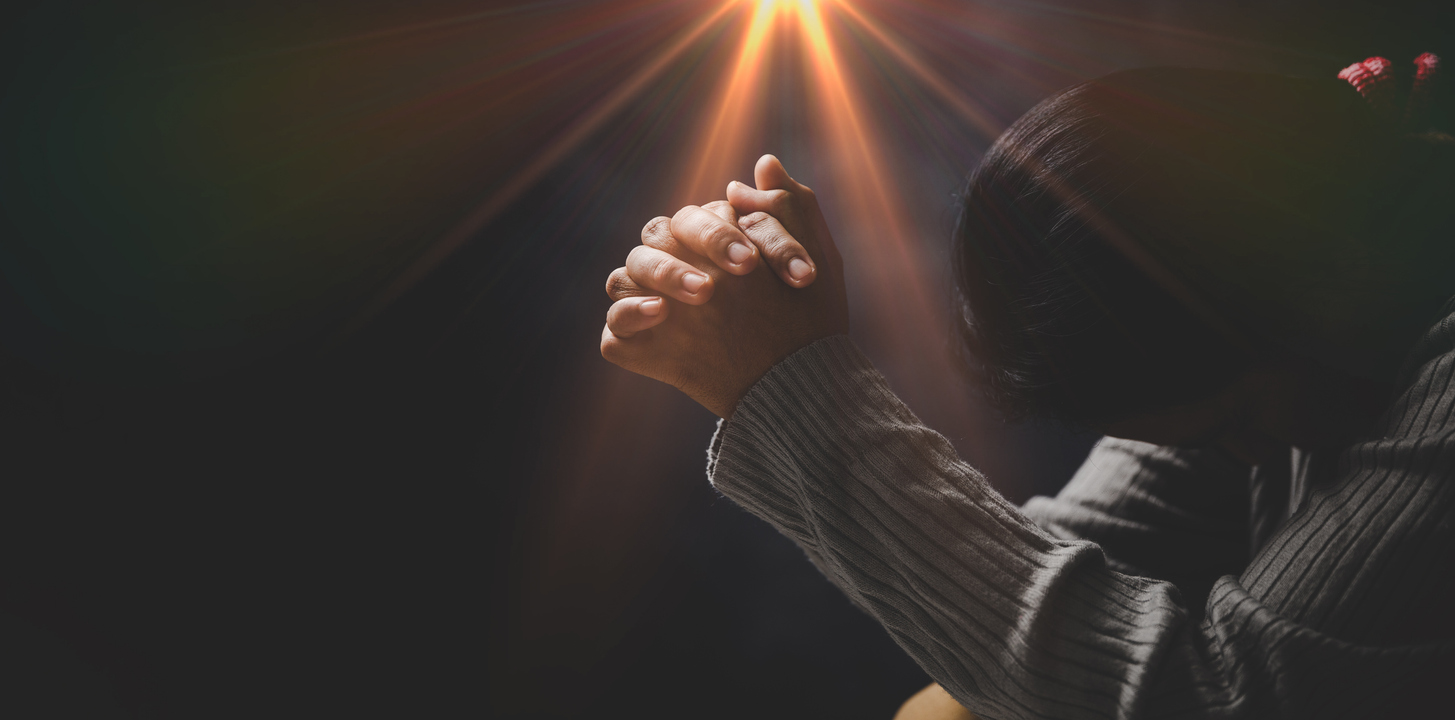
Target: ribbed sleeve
{"type": "Point", "coordinates": [1172, 514]}
{"type": "Point", "coordinates": [1012, 621]}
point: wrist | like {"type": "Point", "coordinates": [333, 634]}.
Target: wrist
{"type": "Point", "coordinates": [725, 406]}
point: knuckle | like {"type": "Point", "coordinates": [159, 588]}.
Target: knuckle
{"type": "Point", "coordinates": [770, 236]}
{"type": "Point", "coordinates": [617, 283]}
{"type": "Point", "coordinates": [780, 245]}
{"type": "Point", "coordinates": [619, 320]}
{"type": "Point", "coordinates": [642, 257]}
{"type": "Point", "coordinates": [660, 271]}
{"type": "Point", "coordinates": [684, 213]}
{"type": "Point", "coordinates": [752, 220]}
{"type": "Point", "coordinates": [780, 201]}
{"type": "Point", "coordinates": [611, 348]}
{"type": "Point", "coordinates": [718, 236]}
{"type": "Point", "coordinates": [656, 229]}
{"type": "Point", "coordinates": [642, 265]}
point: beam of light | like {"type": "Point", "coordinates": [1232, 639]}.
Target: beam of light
{"type": "Point", "coordinates": [872, 201]}
{"type": "Point", "coordinates": [906, 302]}
{"type": "Point", "coordinates": [523, 179]}
{"type": "Point", "coordinates": [981, 120]}
{"type": "Point", "coordinates": [705, 130]}
{"type": "Point", "coordinates": [723, 143]}
{"type": "Point", "coordinates": [855, 142]}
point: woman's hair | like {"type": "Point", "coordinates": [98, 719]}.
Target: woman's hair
{"type": "Point", "coordinates": [1062, 313]}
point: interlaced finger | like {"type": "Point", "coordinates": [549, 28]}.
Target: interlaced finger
{"type": "Point", "coordinates": [628, 317]}
{"type": "Point", "coordinates": [784, 253]}
{"type": "Point", "coordinates": [710, 235]}
{"type": "Point", "coordinates": [619, 285]}
{"type": "Point", "coordinates": [660, 273]}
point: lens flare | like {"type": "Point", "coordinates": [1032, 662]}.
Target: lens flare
{"type": "Point", "coordinates": [731, 111]}
{"type": "Point", "coordinates": [855, 95]}
{"type": "Point", "coordinates": [881, 105]}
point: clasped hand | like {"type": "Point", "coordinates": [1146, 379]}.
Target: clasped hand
{"type": "Point", "coordinates": [689, 309]}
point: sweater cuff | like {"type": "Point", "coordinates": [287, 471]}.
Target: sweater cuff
{"type": "Point", "coordinates": [810, 371]}
{"type": "Point", "coordinates": [825, 414]}
{"type": "Point", "coordinates": [813, 379]}
{"type": "Point", "coordinates": [753, 458]}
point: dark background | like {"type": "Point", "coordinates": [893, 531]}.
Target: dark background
{"type": "Point", "coordinates": [233, 483]}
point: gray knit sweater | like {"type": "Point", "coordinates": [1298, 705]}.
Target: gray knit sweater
{"type": "Point", "coordinates": [1159, 583]}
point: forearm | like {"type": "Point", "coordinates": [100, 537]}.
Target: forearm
{"type": "Point", "coordinates": [1012, 622]}
{"type": "Point", "coordinates": [1173, 514]}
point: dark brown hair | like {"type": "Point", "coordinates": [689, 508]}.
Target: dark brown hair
{"type": "Point", "coordinates": [1065, 311]}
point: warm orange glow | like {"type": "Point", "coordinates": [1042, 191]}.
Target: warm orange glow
{"type": "Point", "coordinates": [906, 310]}
{"type": "Point", "coordinates": [978, 117]}
{"type": "Point", "coordinates": [724, 140]}
{"type": "Point", "coordinates": [590, 122]}
{"type": "Point", "coordinates": [848, 155]}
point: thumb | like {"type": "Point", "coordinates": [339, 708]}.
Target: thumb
{"type": "Point", "coordinates": [774, 194]}
{"type": "Point", "coordinates": [769, 174]}
{"type": "Point", "coordinates": [746, 200]}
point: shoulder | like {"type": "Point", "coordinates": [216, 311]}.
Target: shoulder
{"type": "Point", "coordinates": [1377, 532]}
{"type": "Point", "coordinates": [1425, 388]}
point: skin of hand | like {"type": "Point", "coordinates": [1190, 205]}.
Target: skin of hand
{"type": "Point", "coordinates": [932, 703]}
{"type": "Point", "coordinates": [714, 352]}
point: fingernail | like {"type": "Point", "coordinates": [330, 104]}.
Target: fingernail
{"type": "Point", "coordinates": [739, 253]}
{"type": "Point", "coordinates": [693, 282]}
{"type": "Point", "coordinates": [651, 307]}
{"type": "Point", "coordinates": [799, 270]}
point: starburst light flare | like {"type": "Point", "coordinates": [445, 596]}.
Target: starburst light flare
{"type": "Point", "coordinates": [863, 99]}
